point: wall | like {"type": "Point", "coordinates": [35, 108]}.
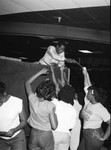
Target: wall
{"type": "Point", "coordinates": [15, 74]}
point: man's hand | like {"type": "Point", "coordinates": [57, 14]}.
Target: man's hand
{"type": "Point", "coordinates": [44, 71]}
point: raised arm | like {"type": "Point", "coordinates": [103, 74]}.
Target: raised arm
{"type": "Point", "coordinates": [87, 81]}
{"type": "Point", "coordinates": [32, 78]}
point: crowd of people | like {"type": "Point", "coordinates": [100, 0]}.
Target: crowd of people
{"type": "Point", "coordinates": [56, 116]}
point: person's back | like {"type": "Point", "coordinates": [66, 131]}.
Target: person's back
{"type": "Point", "coordinates": [66, 115]}
{"type": "Point", "coordinates": [39, 113]}
{"type": "Point", "coordinates": [42, 117]}
{"type": "Point", "coordinates": [65, 112]}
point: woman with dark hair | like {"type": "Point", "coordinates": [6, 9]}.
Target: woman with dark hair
{"type": "Point", "coordinates": [66, 115]}
{"type": "Point", "coordinates": [94, 114]}
{"type": "Point", "coordinates": [42, 117]}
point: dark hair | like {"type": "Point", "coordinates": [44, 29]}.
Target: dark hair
{"type": "Point", "coordinates": [67, 94]}
{"type": "Point", "coordinates": [99, 93]}
{"type": "Point", "coordinates": [46, 89]}
{"type": "Point", "coordinates": [2, 88]}
{"type": "Point", "coordinates": [60, 43]}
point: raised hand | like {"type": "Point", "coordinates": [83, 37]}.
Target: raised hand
{"type": "Point", "coordinates": [44, 71]}
{"type": "Point", "coordinates": [84, 70]}
{"type": "Point", "coordinates": [69, 60]}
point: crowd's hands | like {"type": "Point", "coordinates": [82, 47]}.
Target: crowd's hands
{"type": "Point", "coordinates": [10, 133]}
{"type": "Point", "coordinates": [84, 70]}
{"type": "Point", "coordinates": [86, 114]}
{"type": "Point", "coordinates": [69, 60]}
{"type": "Point", "coordinates": [2, 133]}
{"type": "Point", "coordinates": [98, 136]}
{"type": "Point", "coordinates": [44, 71]}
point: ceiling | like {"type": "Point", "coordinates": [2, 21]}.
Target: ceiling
{"type": "Point", "coordinates": [28, 27]}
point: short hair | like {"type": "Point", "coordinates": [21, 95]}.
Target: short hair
{"type": "Point", "coordinates": [46, 89]}
{"type": "Point", "coordinates": [67, 94]}
{"type": "Point", "coordinates": [99, 93]}
{"type": "Point", "coordinates": [2, 88]}
{"type": "Point", "coordinates": [61, 42]}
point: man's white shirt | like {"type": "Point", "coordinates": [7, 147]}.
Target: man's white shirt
{"type": "Point", "coordinates": [54, 59]}
{"type": "Point", "coordinates": [66, 115]}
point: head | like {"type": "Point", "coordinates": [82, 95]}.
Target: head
{"type": "Point", "coordinates": [2, 90]}
{"type": "Point", "coordinates": [67, 94]}
{"type": "Point", "coordinates": [96, 94]}
{"type": "Point", "coordinates": [46, 89]}
{"type": "Point", "coordinates": [60, 47]}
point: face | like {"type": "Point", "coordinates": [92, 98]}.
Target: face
{"type": "Point", "coordinates": [90, 96]}
{"type": "Point", "coordinates": [60, 49]}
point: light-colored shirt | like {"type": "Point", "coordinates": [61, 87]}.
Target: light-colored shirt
{"type": "Point", "coordinates": [77, 107]}
{"type": "Point", "coordinates": [97, 113]}
{"type": "Point", "coordinates": [9, 115]}
{"type": "Point", "coordinates": [39, 113]}
{"type": "Point", "coordinates": [66, 115]}
{"type": "Point", "coordinates": [54, 59]}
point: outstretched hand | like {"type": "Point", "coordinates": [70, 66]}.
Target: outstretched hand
{"type": "Point", "coordinates": [45, 71]}
{"type": "Point", "coordinates": [98, 136]}
{"type": "Point", "coordinates": [69, 60]}
{"type": "Point", "coordinates": [84, 70]}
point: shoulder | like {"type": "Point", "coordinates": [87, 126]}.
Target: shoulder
{"type": "Point", "coordinates": [33, 98]}
{"type": "Point", "coordinates": [51, 48]}
{"type": "Point", "coordinates": [49, 106]}
{"type": "Point", "coordinates": [99, 105]}
{"type": "Point", "coordinates": [17, 99]}
{"type": "Point", "coordinates": [16, 103]}
{"type": "Point", "coordinates": [101, 109]}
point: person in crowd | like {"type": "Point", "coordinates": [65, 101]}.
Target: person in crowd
{"type": "Point", "coordinates": [94, 114]}
{"type": "Point", "coordinates": [75, 132]}
{"type": "Point", "coordinates": [66, 115]}
{"type": "Point", "coordinates": [12, 121]}
{"type": "Point", "coordinates": [42, 117]}
{"type": "Point", "coordinates": [55, 57]}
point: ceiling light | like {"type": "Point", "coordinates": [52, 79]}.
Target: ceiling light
{"type": "Point", "coordinates": [85, 51]}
